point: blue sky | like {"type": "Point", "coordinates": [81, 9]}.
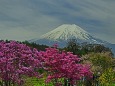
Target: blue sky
{"type": "Point", "coordinates": [27, 19]}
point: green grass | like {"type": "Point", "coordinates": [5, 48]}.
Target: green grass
{"type": "Point", "coordinates": [36, 82]}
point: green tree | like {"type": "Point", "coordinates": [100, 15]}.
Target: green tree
{"type": "Point", "coordinates": [99, 62]}
{"type": "Point", "coordinates": [108, 77]}
{"type": "Point", "coordinates": [34, 45]}
{"type": "Point", "coordinates": [73, 46]}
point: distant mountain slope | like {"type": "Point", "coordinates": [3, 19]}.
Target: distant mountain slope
{"type": "Point", "coordinates": [66, 32]}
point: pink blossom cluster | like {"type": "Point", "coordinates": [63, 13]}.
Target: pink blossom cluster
{"type": "Point", "coordinates": [16, 60]}
{"type": "Point", "coordinates": [63, 65]}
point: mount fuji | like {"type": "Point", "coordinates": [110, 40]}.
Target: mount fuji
{"type": "Point", "coordinates": [65, 32]}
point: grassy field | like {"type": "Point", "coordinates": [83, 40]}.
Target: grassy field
{"type": "Point", "coordinates": [41, 82]}
{"type": "Point", "coordinates": [36, 82]}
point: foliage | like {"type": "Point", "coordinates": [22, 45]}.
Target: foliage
{"type": "Point", "coordinates": [63, 65]}
{"type": "Point", "coordinates": [108, 77]}
{"type": "Point", "coordinates": [85, 48]}
{"type": "Point", "coordinates": [17, 60]}
{"type": "Point", "coordinates": [34, 45]}
{"type": "Point", "coordinates": [73, 46]}
{"type": "Point", "coordinates": [99, 61]}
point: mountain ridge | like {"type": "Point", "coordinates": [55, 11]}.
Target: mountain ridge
{"type": "Point", "coordinates": [69, 31]}
{"type": "Point", "coordinates": [65, 32]}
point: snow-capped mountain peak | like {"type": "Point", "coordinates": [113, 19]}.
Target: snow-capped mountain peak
{"type": "Point", "coordinates": [65, 32]}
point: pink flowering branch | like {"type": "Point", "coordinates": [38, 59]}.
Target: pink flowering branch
{"type": "Point", "coordinates": [64, 65]}
{"type": "Point", "coordinates": [17, 60]}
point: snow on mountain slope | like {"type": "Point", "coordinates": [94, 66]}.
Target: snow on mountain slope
{"type": "Point", "coordinates": [66, 32]}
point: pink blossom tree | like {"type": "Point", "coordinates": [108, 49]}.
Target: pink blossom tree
{"type": "Point", "coordinates": [64, 65]}
{"type": "Point", "coordinates": [17, 60]}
